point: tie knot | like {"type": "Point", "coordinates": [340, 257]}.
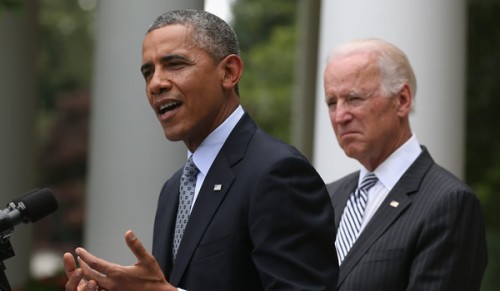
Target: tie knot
{"type": "Point", "coordinates": [368, 181]}
{"type": "Point", "coordinates": [190, 168]}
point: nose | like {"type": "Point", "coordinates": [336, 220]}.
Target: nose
{"type": "Point", "coordinates": [159, 82]}
{"type": "Point", "coordinates": [341, 114]}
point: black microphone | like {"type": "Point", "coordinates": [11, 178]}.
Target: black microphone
{"type": "Point", "coordinates": [29, 207]}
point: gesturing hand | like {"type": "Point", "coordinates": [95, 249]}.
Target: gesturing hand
{"type": "Point", "coordinates": [146, 274]}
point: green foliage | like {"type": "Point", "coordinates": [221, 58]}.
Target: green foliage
{"type": "Point", "coordinates": [254, 20]}
{"type": "Point", "coordinates": [10, 5]}
{"type": "Point", "coordinates": [266, 84]}
{"type": "Point", "coordinates": [267, 34]}
{"type": "Point", "coordinates": [483, 122]}
{"type": "Point", "coordinates": [65, 50]}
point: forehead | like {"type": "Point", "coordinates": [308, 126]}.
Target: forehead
{"type": "Point", "coordinates": [355, 70]}
{"type": "Point", "coordinates": [353, 64]}
{"type": "Point", "coordinates": [166, 39]}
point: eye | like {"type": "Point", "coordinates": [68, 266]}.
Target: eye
{"type": "Point", "coordinates": [331, 103]}
{"type": "Point", "coordinates": [175, 65]}
{"type": "Point", "coordinates": [147, 72]}
{"type": "Point", "coordinates": [354, 99]}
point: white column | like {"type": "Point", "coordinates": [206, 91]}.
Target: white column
{"type": "Point", "coordinates": [130, 158]}
{"type": "Point", "coordinates": [432, 34]}
{"type": "Point", "coordinates": [18, 50]}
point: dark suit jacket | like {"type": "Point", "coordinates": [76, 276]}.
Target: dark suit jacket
{"type": "Point", "coordinates": [433, 240]}
{"type": "Point", "coordinates": [270, 227]}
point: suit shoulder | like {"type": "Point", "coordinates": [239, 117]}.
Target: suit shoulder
{"type": "Point", "coordinates": [443, 179]}
{"type": "Point", "coordinates": [342, 182]}
{"type": "Point", "coordinates": [441, 187]}
{"type": "Point", "coordinates": [273, 147]}
{"type": "Point", "coordinates": [267, 156]}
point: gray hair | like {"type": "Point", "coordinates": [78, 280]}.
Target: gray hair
{"type": "Point", "coordinates": [210, 33]}
{"type": "Point", "coordinates": [395, 68]}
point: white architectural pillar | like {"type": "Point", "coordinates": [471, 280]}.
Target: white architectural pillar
{"type": "Point", "coordinates": [432, 34]}
{"type": "Point", "coordinates": [17, 124]}
{"type": "Point", "coordinates": [130, 158]}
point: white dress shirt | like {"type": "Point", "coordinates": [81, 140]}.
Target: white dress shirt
{"type": "Point", "coordinates": [205, 154]}
{"type": "Point", "coordinates": [388, 174]}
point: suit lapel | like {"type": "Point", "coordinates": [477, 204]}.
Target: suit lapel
{"type": "Point", "coordinates": [168, 213]}
{"type": "Point", "coordinates": [211, 194]}
{"type": "Point", "coordinates": [383, 218]}
{"type": "Point", "coordinates": [206, 206]}
{"type": "Point", "coordinates": [387, 214]}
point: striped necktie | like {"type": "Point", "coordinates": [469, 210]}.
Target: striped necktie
{"type": "Point", "coordinates": [352, 217]}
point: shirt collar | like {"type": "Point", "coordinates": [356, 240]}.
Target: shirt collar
{"type": "Point", "coordinates": [391, 170]}
{"type": "Point", "coordinates": [205, 154]}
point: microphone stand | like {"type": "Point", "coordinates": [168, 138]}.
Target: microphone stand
{"type": "Point", "coordinates": [4, 282]}
{"type": "Point", "coordinates": [6, 252]}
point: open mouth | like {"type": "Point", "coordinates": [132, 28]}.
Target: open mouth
{"type": "Point", "coordinates": [168, 107]}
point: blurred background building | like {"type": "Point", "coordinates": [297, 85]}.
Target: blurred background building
{"type": "Point", "coordinates": [75, 117]}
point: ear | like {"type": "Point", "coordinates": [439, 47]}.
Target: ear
{"type": "Point", "coordinates": [232, 68]}
{"type": "Point", "coordinates": [405, 100]}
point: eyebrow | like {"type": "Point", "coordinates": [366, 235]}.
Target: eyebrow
{"type": "Point", "coordinates": [169, 58]}
{"type": "Point", "coordinates": [354, 92]}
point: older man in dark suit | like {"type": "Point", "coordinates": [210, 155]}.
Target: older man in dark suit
{"type": "Point", "coordinates": [247, 212]}
{"type": "Point", "coordinates": [403, 222]}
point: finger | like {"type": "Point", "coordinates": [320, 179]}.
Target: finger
{"type": "Point", "coordinates": [136, 246]}
{"type": "Point", "coordinates": [92, 262]}
{"type": "Point", "coordinates": [69, 264]}
{"type": "Point", "coordinates": [74, 280]}
{"type": "Point", "coordinates": [90, 273]}
{"type": "Point", "coordinates": [91, 286]}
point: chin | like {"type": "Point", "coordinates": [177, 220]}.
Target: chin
{"type": "Point", "coordinates": [171, 136]}
{"type": "Point", "coordinates": [351, 152]}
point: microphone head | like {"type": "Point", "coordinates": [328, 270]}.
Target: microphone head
{"type": "Point", "coordinates": [22, 197]}
{"type": "Point", "coordinates": [38, 204]}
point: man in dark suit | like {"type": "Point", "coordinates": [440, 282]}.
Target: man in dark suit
{"type": "Point", "coordinates": [414, 226]}
{"type": "Point", "coordinates": [260, 216]}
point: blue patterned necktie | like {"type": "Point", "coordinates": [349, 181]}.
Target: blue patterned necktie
{"type": "Point", "coordinates": [186, 194]}
{"type": "Point", "coordinates": [352, 217]}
